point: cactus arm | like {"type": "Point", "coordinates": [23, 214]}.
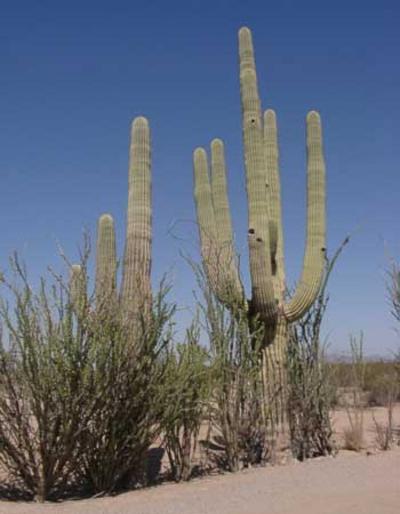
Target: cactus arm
{"type": "Point", "coordinates": [205, 215]}
{"type": "Point", "coordinates": [106, 258]}
{"type": "Point", "coordinates": [275, 208]}
{"type": "Point", "coordinates": [77, 289]}
{"type": "Point", "coordinates": [314, 257]}
{"type": "Point", "coordinates": [136, 283]}
{"type": "Point", "coordinates": [255, 168]}
{"type": "Point", "coordinates": [219, 193]}
{"type": "Point", "coordinates": [75, 281]}
{"type": "Point", "coordinates": [223, 220]}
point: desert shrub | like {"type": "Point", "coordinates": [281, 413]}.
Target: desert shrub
{"type": "Point", "coordinates": [127, 376]}
{"type": "Point", "coordinates": [353, 435]}
{"type": "Point", "coordinates": [310, 387]}
{"type": "Point", "coordinates": [378, 373]}
{"type": "Point", "coordinates": [81, 396]}
{"type": "Point", "coordinates": [393, 287]}
{"type": "Point", "coordinates": [239, 434]}
{"type": "Point", "coordinates": [396, 369]}
{"type": "Point", "coordinates": [389, 390]}
{"type": "Point", "coordinates": [44, 379]}
{"type": "Point", "coordinates": [381, 381]}
{"type": "Point", "coordinates": [186, 387]}
{"type": "Point", "coordinates": [341, 375]}
{"type": "Point", "coordinates": [363, 384]}
{"type": "Point", "coordinates": [310, 390]}
{"type": "Point", "coordinates": [355, 403]}
{"type": "Point", "coordinates": [385, 432]}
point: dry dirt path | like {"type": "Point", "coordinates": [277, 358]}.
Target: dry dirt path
{"type": "Point", "coordinates": [347, 484]}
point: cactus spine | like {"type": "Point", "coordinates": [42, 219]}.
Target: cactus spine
{"type": "Point", "coordinates": [265, 233]}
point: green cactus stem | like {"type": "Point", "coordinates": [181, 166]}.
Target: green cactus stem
{"type": "Point", "coordinates": [136, 285]}
{"type": "Point", "coordinates": [135, 294]}
{"type": "Point", "coordinates": [265, 231]}
{"type": "Point", "coordinates": [215, 223]}
{"type": "Point", "coordinates": [106, 260]}
{"type": "Point", "coordinates": [78, 289]}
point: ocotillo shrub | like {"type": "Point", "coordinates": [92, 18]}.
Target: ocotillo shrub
{"type": "Point", "coordinates": [44, 379]}
{"type": "Point", "coordinates": [311, 389]}
{"type": "Point", "coordinates": [394, 289]}
{"type": "Point", "coordinates": [187, 389]}
{"type": "Point", "coordinates": [129, 382]}
{"type": "Point", "coordinates": [79, 404]}
{"type": "Point", "coordinates": [240, 430]}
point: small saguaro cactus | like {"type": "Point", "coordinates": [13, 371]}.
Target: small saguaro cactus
{"type": "Point", "coordinates": [106, 259]}
{"type": "Point", "coordinates": [135, 294]}
{"type": "Point", "coordinates": [77, 289]}
{"type": "Point", "coordinates": [265, 233]}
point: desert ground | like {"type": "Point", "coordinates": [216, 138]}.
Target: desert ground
{"type": "Point", "coordinates": [350, 483]}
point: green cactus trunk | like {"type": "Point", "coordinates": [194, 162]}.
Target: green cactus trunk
{"type": "Point", "coordinates": [78, 289]}
{"type": "Point", "coordinates": [136, 285]}
{"type": "Point", "coordinates": [106, 261]}
{"type": "Point", "coordinates": [265, 231]}
{"type": "Point", "coordinates": [135, 295]}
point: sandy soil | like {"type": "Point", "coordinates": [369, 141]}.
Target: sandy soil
{"type": "Point", "coordinates": [365, 483]}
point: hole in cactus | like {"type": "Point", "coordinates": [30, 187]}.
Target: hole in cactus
{"type": "Point", "coordinates": [252, 120]}
{"type": "Point", "coordinates": [251, 230]}
{"type": "Point", "coordinates": [323, 249]}
{"type": "Point", "coordinates": [259, 239]}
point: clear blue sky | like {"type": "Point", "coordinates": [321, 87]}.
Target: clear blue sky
{"type": "Point", "coordinates": [73, 75]}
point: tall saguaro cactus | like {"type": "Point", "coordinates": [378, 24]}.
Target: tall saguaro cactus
{"type": "Point", "coordinates": [135, 294]}
{"type": "Point", "coordinates": [265, 233]}
{"type": "Point", "coordinates": [136, 287]}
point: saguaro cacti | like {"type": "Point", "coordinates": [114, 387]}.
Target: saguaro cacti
{"type": "Point", "coordinates": [77, 288]}
{"type": "Point", "coordinates": [136, 286]}
{"type": "Point", "coordinates": [106, 259]}
{"type": "Point", "coordinates": [265, 233]}
{"type": "Point", "coordinates": [135, 294]}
